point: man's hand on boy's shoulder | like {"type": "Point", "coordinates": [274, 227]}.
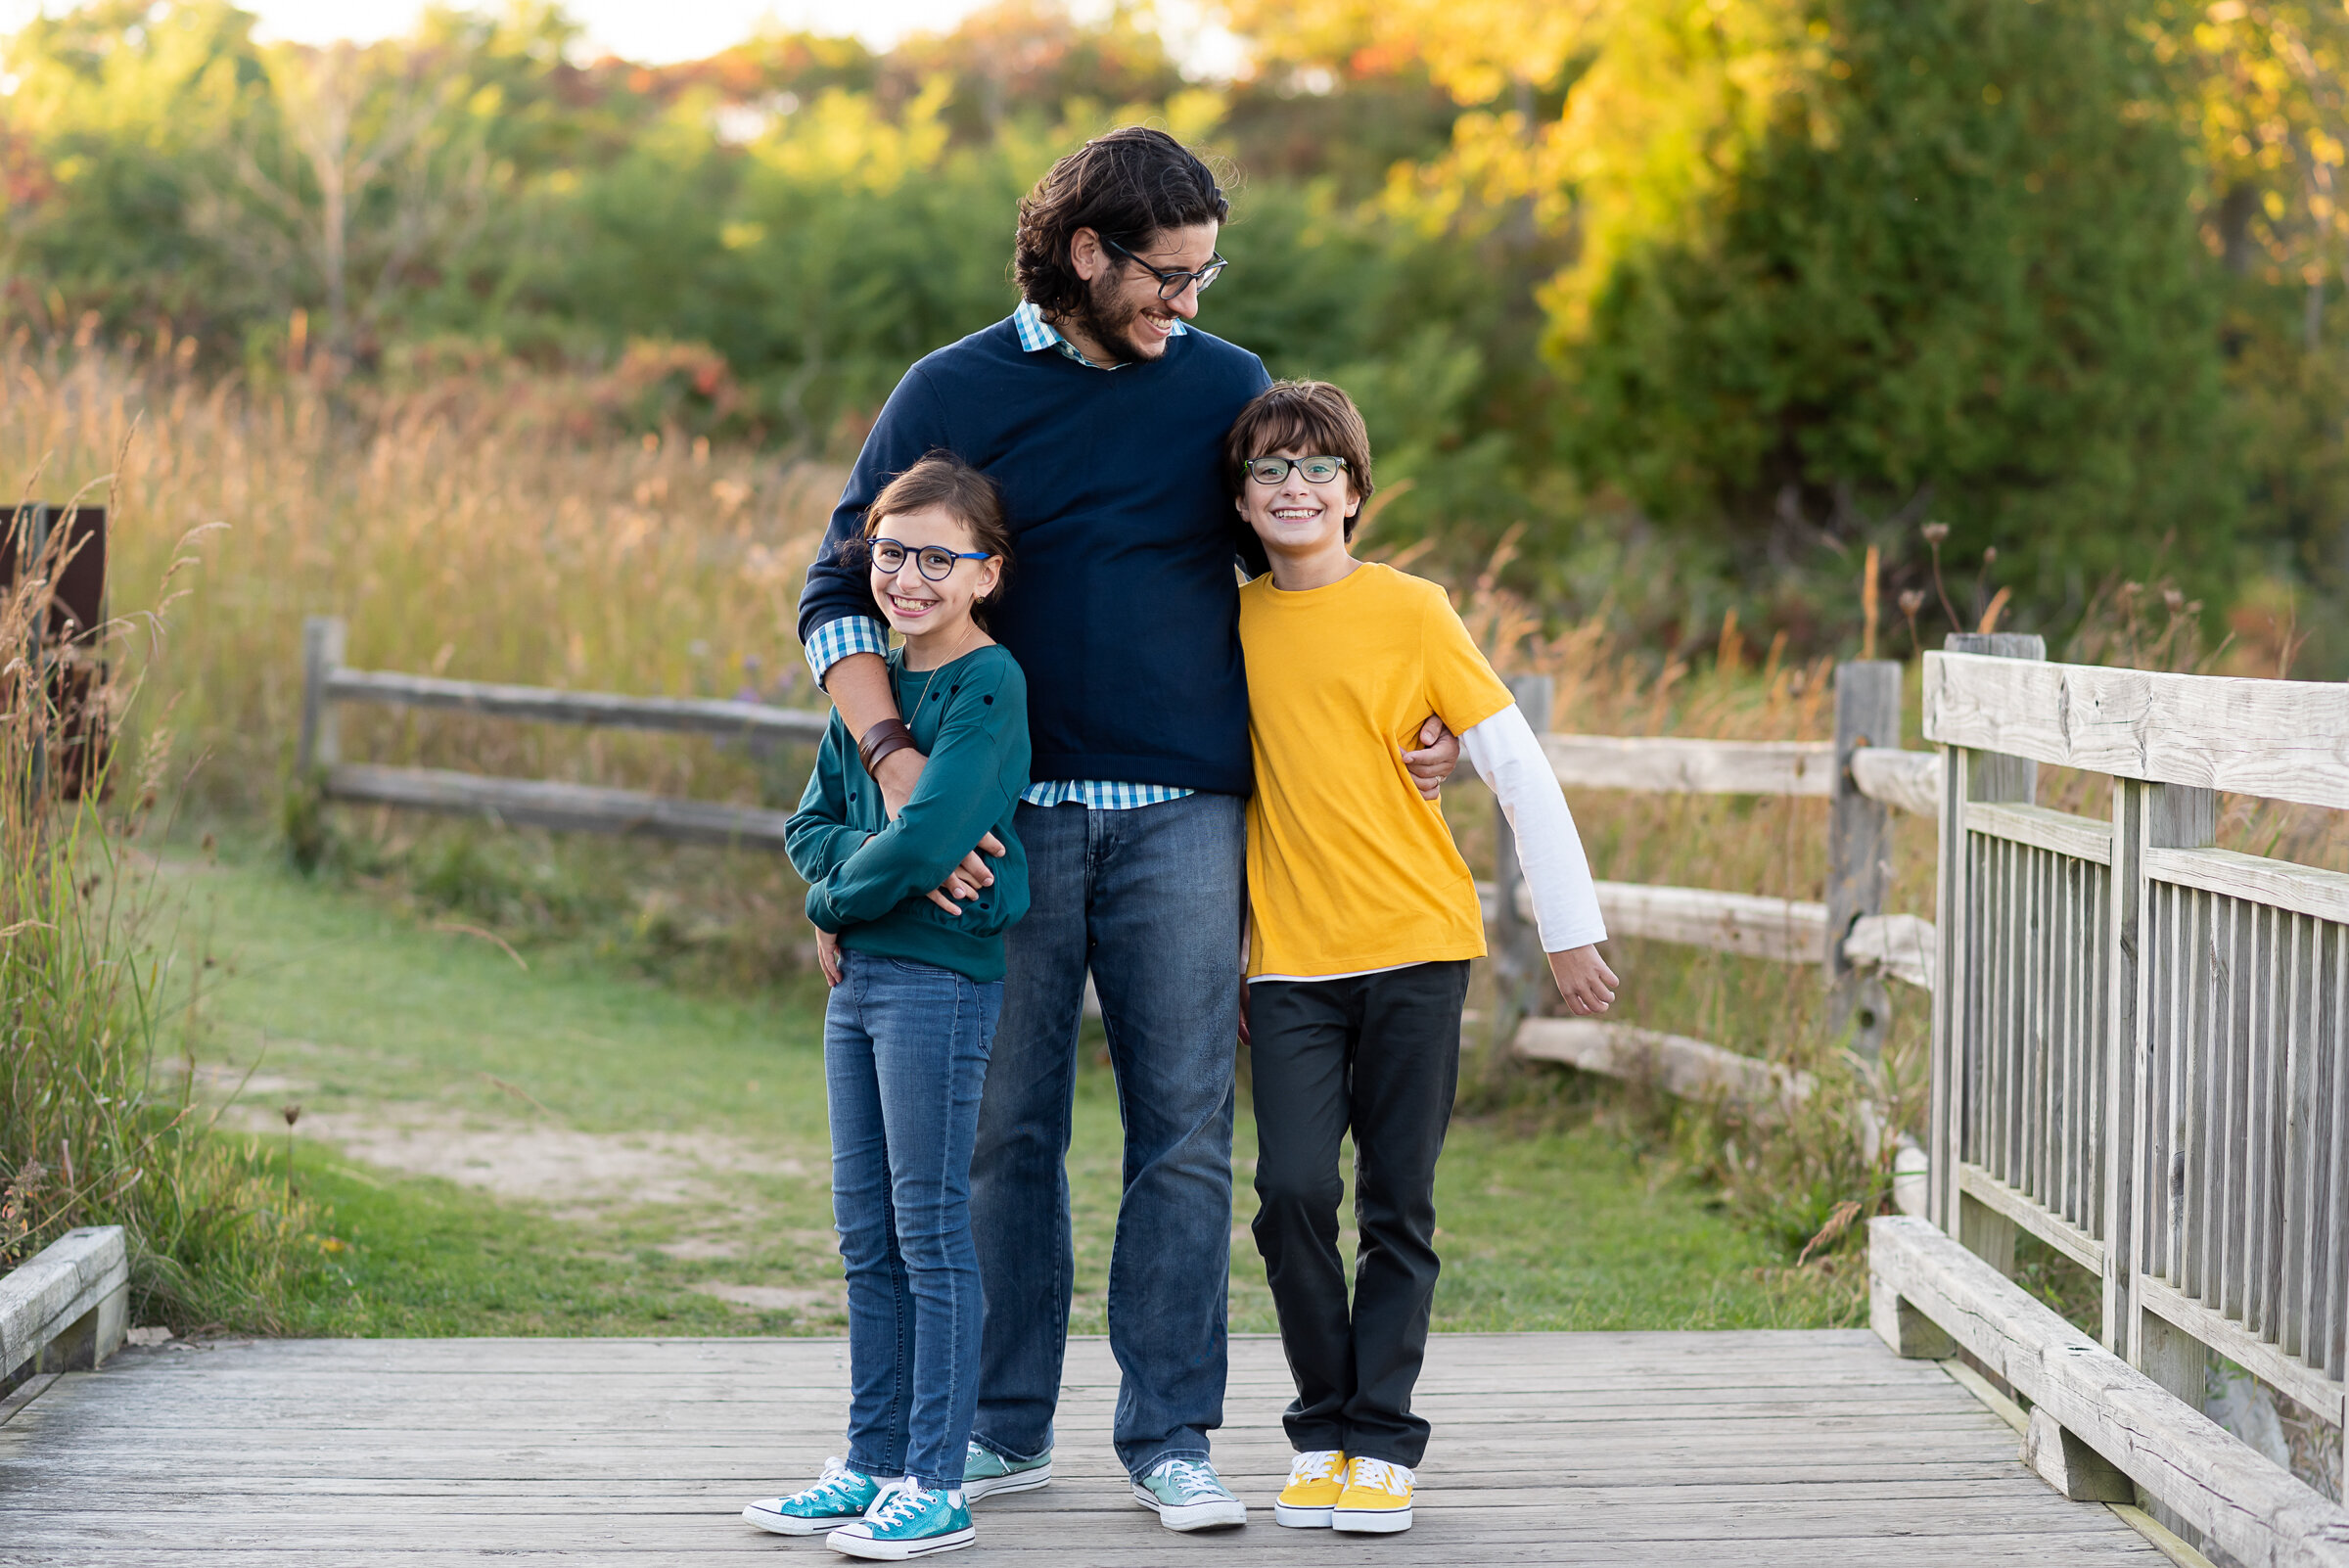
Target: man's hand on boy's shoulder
{"type": "Point", "coordinates": [1583, 980]}
{"type": "Point", "coordinates": [1437, 755]}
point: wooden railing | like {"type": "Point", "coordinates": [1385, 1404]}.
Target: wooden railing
{"type": "Point", "coordinates": [62, 1310]}
{"type": "Point", "coordinates": [2140, 1058]}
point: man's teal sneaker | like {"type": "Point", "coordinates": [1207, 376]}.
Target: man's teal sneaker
{"type": "Point", "coordinates": [910, 1522]}
{"type": "Point", "coordinates": [840, 1496]}
{"type": "Point", "coordinates": [987, 1473]}
{"type": "Point", "coordinates": [1188, 1495]}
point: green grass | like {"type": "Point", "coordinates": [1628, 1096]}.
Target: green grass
{"type": "Point", "coordinates": [428, 1061]}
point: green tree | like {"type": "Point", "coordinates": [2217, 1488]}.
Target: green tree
{"type": "Point", "coordinates": [1957, 275]}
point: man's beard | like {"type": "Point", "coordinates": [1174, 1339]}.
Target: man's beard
{"type": "Point", "coordinates": [1107, 316]}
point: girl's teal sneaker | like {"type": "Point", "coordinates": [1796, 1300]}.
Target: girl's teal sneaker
{"type": "Point", "coordinates": [840, 1496]}
{"type": "Point", "coordinates": [911, 1521]}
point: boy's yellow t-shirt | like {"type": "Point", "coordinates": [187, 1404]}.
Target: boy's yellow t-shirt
{"type": "Point", "coordinates": [1349, 867]}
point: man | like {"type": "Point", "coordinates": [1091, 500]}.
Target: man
{"type": "Point", "coordinates": [1100, 412]}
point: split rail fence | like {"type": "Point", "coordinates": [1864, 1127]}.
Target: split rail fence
{"type": "Point", "coordinates": [1862, 772]}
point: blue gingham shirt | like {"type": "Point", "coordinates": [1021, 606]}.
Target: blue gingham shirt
{"type": "Point", "coordinates": [835, 640]}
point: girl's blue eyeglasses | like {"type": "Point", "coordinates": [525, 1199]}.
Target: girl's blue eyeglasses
{"type": "Point", "coordinates": [934, 561]}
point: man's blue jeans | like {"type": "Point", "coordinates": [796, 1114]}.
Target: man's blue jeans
{"type": "Point", "coordinates": [1149, 899]}
{"type": "Point", "coordinates": [905, 1049]}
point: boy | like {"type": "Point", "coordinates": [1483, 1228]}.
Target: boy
{"type": "Point", "coordinates": [1363, 920]}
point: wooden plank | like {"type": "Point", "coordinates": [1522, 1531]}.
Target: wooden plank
{"type": "Point", "coordinates": [1693, 1069]}
{"type": "Point", "coordinates": [565, 807]}
{"type": "Point", "coordinates": [2255, 1355]}
{"type": "Point", "coordinates": [2241, 1502]}
{"type": "Point", "coordinates": [65, 1307]}
{"type": "Point", "coordinates": [2057, 832]}
{"type": "Point", "coordinates": [1947, 1109]}
{"type": "Point", "coordinates": [1677, 764]}
{"type": "Point", "coordinates": [2277, 884]}
{"type": "Point", "coordinates": [547, 705]}
{"type": "Point", "coordinates": [1904, 946]}
{"type": "Point", "coordinates": [2032, 1216]}
{"type": "Point", "coordinates": [1906, 781]}
{"type": "Point", "coordinates": [1788, 930]}
{"type": "Point", "coordinates": [2284, 740]}
{"type": "Point", "coordinates": [416, 1452]}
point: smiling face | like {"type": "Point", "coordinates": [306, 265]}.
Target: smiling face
{"type": "Point", "coordinates": [1297, 518]}
{"type": "Point", "coordinates": [1123, 315]}
{"type": "Point", "coordinates": [934, 616]}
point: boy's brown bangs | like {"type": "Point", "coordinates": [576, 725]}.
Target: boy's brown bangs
{"type": "Point", "coordinates": [1301, 416]}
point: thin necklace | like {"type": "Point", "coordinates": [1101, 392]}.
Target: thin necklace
{"type": "Point", "coordinates": [931, 674]}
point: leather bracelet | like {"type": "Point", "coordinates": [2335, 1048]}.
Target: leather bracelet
{"type": "Point", "coordinates": [887, 736]}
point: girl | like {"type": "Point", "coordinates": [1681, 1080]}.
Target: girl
{"type": "Point", "coordinates": [916, 982]}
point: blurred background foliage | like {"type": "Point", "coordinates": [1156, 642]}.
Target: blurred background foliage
{"type": "Point", "coordinates": [1704, 298]}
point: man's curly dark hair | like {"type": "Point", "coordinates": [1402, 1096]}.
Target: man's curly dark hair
{"type": "Point", "coordinates": [1127, 186]}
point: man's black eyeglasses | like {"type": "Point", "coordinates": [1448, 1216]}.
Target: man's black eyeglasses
{"type": "Point", "coordinates": [935, 561]}
{"type": "Point", "coordinates": [1172, 281]}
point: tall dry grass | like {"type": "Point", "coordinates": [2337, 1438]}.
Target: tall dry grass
{"type": "Point", "coordinates": [94, 1128]}
{"type": "Point", "coordinates": [461, 528]}
{"type": "Point", "coordinates": [472, 528]}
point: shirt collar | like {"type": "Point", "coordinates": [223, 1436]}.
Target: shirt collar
{"type": "Point", "coordinates": [1036, 332]}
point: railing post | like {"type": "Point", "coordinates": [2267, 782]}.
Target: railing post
{"type": "Point", "coordinates": [1968, 775]}
{"type": "Point", "coordinates": [1868, 713]}
{"type": "Point", "coordinates": [2167, 816]}
{"type": "Point", "coordinates": [1517, 960]}
{"type": "Point", "coordinates": [320, 745]}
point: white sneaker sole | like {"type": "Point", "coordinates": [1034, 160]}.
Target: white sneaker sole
{"type": "Point", "coordinates": [1371, 1521]}
{"type": "Point", "coordinates": [1297, 1518]}
{"type": "Point", "coordinates": [996, 1486]}
{"type": "Point", "coordinates": [1222, 1512]}
{"type": "Point", "coordinates": [784, 1524]}
{"type": "Point", "coordinates": [849, 1546]}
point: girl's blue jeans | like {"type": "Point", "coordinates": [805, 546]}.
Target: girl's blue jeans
{"type": "Point", "coordinates": [905, 1047]}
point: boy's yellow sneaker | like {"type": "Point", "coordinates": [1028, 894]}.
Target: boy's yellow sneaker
{"type": "Point", "coordinates": [1377, 1497]}
{"type": "Point", "coordinates": [1316, 1479]}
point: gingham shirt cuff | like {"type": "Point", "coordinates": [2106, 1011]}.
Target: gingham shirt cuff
{"type": "Point", "coordinates": [835, 640]}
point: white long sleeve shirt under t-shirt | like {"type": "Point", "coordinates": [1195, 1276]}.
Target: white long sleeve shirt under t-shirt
{"type": "Point", "coordinates": [1507, 756]}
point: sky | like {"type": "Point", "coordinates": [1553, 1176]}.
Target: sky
{"type": "Point", "coordinates": [654, 31]}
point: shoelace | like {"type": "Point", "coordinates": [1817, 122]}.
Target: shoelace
{"type": "Point", "coordinates": [1193, 1479]}
{"type": "Point", "coordinates": [836, 1479]}
{"type": "Point", "coordinates": [1320, 1464]}
{"type": "Point", "coordinates": [902, 1504]}
{"type": "Point", "coordinates": [1380, 1476]}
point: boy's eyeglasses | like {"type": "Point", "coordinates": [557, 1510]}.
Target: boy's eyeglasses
{"type": "Point", "coordinates": [934, 561]}
{"type": "Point", "coordinates": [1272, 470]}
{"type": "Point", "coordinates": [1172, 281]}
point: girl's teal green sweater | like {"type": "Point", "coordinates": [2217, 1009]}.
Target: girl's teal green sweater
{"type": "Point", "coordinates": [868, 877]}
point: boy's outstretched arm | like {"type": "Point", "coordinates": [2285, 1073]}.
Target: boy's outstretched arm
{"type": "Point", "coordinates": [1505, 752]}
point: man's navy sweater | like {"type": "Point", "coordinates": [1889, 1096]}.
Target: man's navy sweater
{"type": "Point", "coordinates": [1122, 607]}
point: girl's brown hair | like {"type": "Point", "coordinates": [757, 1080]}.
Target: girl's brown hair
{"type": "Point", "coordinates": [943, 479]}
{"type": "Point", "coordinates": [1311, 417]}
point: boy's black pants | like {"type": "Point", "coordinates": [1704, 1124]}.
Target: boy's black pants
{"type": "Point", "coordinates": [1379, 1055]}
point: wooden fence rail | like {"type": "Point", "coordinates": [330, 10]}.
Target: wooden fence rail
{"type": "Point", "coordinates": [2142, 1059]}
{"type": "Point", "coordinates": [1849, 934]}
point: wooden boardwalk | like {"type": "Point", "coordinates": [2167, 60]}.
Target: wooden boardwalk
{"type": "Point", "coordinates": [1726, 1451]}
